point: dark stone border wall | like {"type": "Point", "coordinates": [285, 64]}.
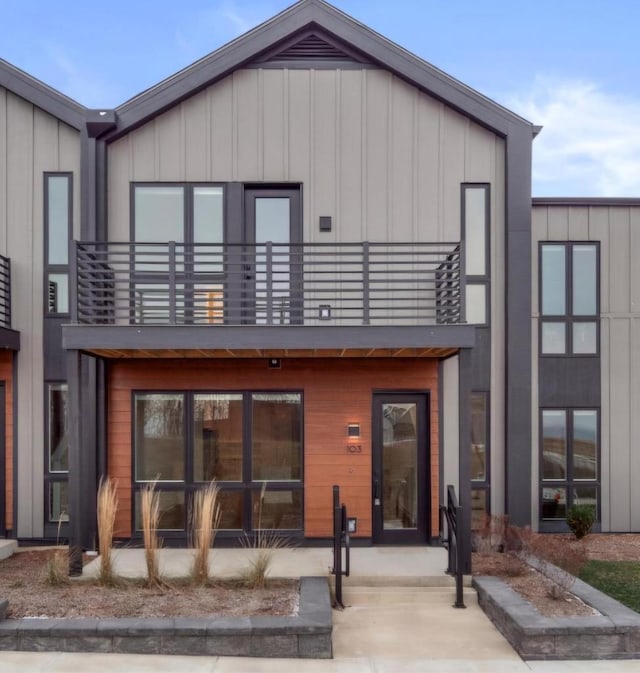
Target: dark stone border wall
{"type": "Point", "coordinates": [306, 635]}
{"type": "Point", "coordinates": [613, 634]}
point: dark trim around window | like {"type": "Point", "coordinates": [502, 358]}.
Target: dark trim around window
{"type": "Point", "coordinates": [49, 299]}
{"type": "Point", "coordinates": [247, 486]}
{"type": "Point", "coordinates": [52, 528]}
{"type": "Point", "coordinates": [568, 319]}
{"type": "Point", "coordinates": [484, 279]}
{"type": "Point", "coordinates": [551, 524]}
{"type": "Point", "coordinates": [484, 485]}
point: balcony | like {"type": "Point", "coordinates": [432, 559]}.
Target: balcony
{"type": "Point", "coordinates": [270, 284]}
{"type": "Point", "coordinates": [9, 339]}
{"type": "Point", "coordinates": [259, 296]}
{"type": "Point", "coordinates": [5, 292]}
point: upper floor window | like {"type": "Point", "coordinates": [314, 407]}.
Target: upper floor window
{"type": "Point", "coordinates": [185, 213]}
{"type": "Point", "coordinates": [569, 298]}
{"type": "Point", "coordinates": [58, 208]}
{"type": "Point", "coordinates": [475, 232]}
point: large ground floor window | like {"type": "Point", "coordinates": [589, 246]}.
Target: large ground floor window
{"type": "Point", "coordinates": [569, 461]}
{"type": "Point", "coordinates": [250, 443]}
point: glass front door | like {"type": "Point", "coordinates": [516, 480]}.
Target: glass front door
{"type": "Point", "coordinates": [400, 469]}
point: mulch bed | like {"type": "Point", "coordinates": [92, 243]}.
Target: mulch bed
{"type": "Point", "coordinates": [22, 581]}
{"type": "Point", "coordinates": [537, 589]}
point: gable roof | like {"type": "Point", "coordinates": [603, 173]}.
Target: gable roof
{"type": "Point", "coordinates": [39, 94]}
{"type": "Point", "coordinates": [349, 39]}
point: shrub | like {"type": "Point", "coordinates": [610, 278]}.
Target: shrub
{"type": "Point", "coordinates": [561, 561]}
{"type": "Point", "coordinates": [580, 519]}
{"type": "Point", "coordinates": [491, 533]}
{"type": "Point", "coordinates": [56, 569]}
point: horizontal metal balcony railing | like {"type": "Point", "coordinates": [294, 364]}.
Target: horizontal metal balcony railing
{"type": "Point", "coordinates": [268, 284]}
{"type": "Point", "coordinates": [5, 292]}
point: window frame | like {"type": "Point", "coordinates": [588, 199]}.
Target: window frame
{"type": "Point", "coordinates": [569, 483]}
{"type": "Point", "coordinates": [188, 202]}
{"type": "Point", "coordinates": [49, 269]}
{"type": "Point", "coordinates": [188, 276]}
{"type": "Point", "coordinates": [246, 486]}
{"type": "Point", "coordinates": [568, 319]}
{"type": "Point", "coordinates": [481, 280]}
{"type": "Point", "coordinates": [484, 484]}
{"type": "Point", "coordinates": [52, 528]}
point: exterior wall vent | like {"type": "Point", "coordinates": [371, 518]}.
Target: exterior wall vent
{"type": "Point", "coordinates": [312, 46]}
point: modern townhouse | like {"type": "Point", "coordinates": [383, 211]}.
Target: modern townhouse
{"type": "Point", "coordinates": [308, 259]}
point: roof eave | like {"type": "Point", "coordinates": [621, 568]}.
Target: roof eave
{"type": "Point", "coordinates": [39, 94]}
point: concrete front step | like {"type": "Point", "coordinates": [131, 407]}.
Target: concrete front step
{"type": "Point", "coordinates": [7, 548]}
{"type": "Point", "coordinates": [390, 581]}
{"type": "Point", "coordinates": [387, 596]}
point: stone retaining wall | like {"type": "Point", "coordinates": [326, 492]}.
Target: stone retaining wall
{"type": "Point", "coordinates": [613, 634]}
{"type": "Point", "coordinates": [306, 635]}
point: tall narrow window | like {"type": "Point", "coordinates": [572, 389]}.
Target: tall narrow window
{"type": "Point", "coordinates": [58, 207]}
{"type": "Point", "coordinates": [480, 481]}
{"type": "Point", "coordinates": [569, 298]}
{"type": "Point", "coordinates": [57, 455]}
{"type": "Point", "coordinates": [475, 233]}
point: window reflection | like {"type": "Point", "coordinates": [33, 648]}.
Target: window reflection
{"type": "Point", "coordinates": [585, 451]}
{"type": "Point", "coordinates": [217, 451]}
{"type": "Point", "coordinates": [159, 440]}
{"type": "Point", "coordinates": [554, 444]}
{"type": "Point", "coordinates": [277, 436]}
{"type": "Point", "coordinates": [553, 280]}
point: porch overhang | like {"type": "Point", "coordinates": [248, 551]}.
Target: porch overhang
{"type": "Point", "coordinates": [193, 341]}
{"type": "Point", "coordinates": [9, 339]}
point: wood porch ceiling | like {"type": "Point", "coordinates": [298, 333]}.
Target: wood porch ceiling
{"type": "Point", "coordinates": [275, 353]}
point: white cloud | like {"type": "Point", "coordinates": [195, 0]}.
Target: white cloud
{"type": "Point", "coordinates": [590, 143]}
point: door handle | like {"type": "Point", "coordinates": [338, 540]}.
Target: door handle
{"type": "Point", "coordinates": [376, 492]}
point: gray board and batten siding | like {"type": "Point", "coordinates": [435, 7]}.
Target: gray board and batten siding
{"type": "Point", "coordinates": [615, 225]}
{"type": "Point", "coordinates": [381, 145]}
{"type": "Point", "coordinates": [32, 142]}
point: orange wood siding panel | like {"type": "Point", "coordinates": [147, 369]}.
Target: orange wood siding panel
{"type": "Point", "coordinates": [336, 392]}
{"type": "Point", "coordinates": [6, 375]}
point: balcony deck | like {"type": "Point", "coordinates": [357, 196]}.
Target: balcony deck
{"type": "Point", "coordinates": [272, 300]}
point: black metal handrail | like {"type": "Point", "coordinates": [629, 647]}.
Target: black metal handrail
{"type": "Point", "coordinates": [268, 284]}
{"type": "Point", "coordinates": [452, 513]}
{"type": "Point", "coordinates": [341, 544]}
{"type": "Point", "coordinates": [5, 292]}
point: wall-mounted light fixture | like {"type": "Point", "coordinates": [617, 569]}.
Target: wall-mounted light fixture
{"type": "Point", "coordinates": [274, 363]}
{"type": "Point", "coordinates": [353, 430]}
{"type": "Point", "coordinates": [325, 222]}
{"type": "Point", "coordinates": [324, 312]}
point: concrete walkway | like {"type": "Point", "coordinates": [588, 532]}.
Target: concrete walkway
{"type": "Point", "coordinates": [414, 566]}
{"type": "Point", "coordinates": [398, 619]}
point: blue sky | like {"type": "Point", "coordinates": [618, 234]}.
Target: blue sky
{"type": "Point", "coordinates": [570, 65]}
